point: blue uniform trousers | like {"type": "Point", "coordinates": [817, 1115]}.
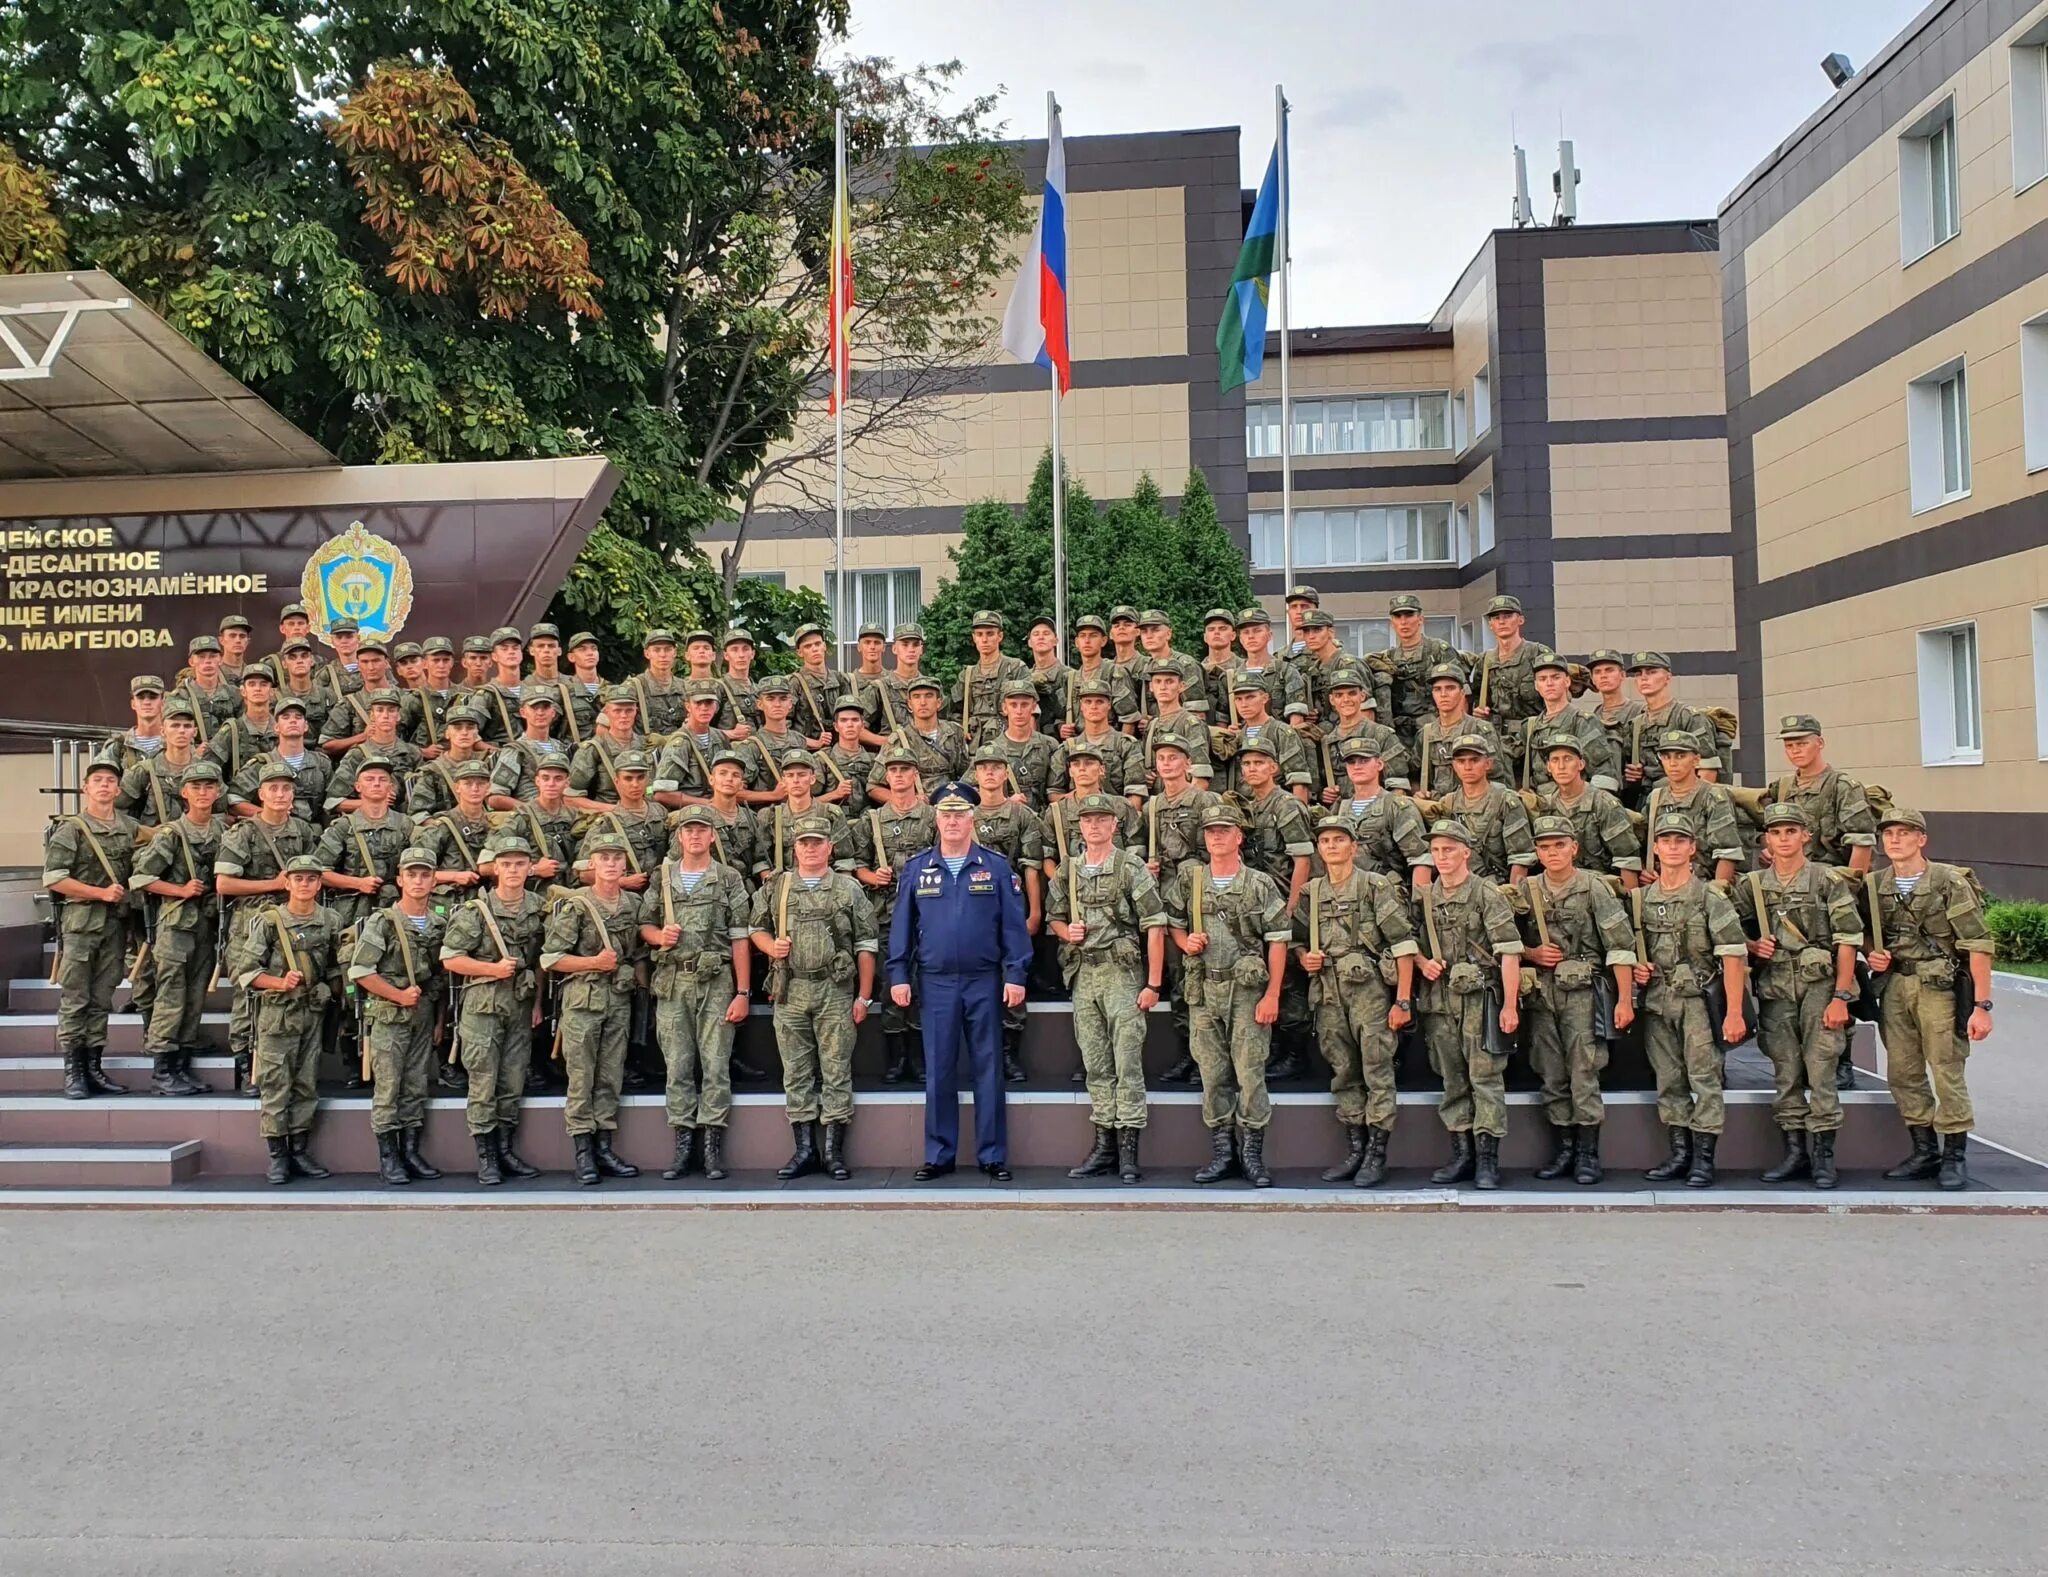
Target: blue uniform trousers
{"type": "Point", "coordinates": [969, 1009]}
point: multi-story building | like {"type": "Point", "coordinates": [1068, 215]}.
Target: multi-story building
{"type": "Point", "coordinates": [1885, 298]}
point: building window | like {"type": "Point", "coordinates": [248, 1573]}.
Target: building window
{"type": "Point", "coordinates": [771, 577]}
{"type": "Point", "coordinates": [1951, 704]}
{"type": "Point", "coordinates": [1928, 214]}
{"type": "Point", "coordinates": [1485, 544]}
{"type": "Point", "coordinates": [887, 597]}
{"type": "Point", "coordinates": [1938, 437]}
{"type": "Point", "coordinates": [2034, 391]}
{"type": "Point", "coordinates": [2041, 683]}
{"type": "Point", "coordinates": [1373, 424]}
{"type": "Point", "coordinates": [1462, 532]}
{"type": "Point", "coordinates": [2030, 107]}
{"type": "Point", "coordinates": [1336, 538]}
{"type": "Point", "coordinates": [1482, 403]}
{"type": "Point", "coordinates": [1363, 637]}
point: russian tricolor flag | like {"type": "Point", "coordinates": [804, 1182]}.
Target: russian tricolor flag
{"type": "Point", "coordinates": [1035, 323]}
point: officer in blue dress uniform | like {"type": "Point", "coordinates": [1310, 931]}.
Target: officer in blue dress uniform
{"type": "Point", "coordinates": [959, 928]}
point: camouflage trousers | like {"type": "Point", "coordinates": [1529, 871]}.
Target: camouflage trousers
{"type": "Point", "coordinates": [1110, 1030]}
{"type": "Point", "coordinates": [88, 973]}
{"type": "Point", "coordinates": [1917, 1025]}
{"type": "Point", "coordinates": [1803, 1055]}
{"type": "Point", "coordinates": [401, 1062]}
{"type": "Point", "coordinates": [1351, 1030]}
{"type": "Point", "coordinates": [184, 960]}
{"type": "Point", "coordinates": [1566, 1055]}
{"type": "Point", "coordinates": [1684, 1060]}
{"type": "Point", "coordinates": [696, 1048]}
{"type": "Point", "coordinates": [287, 1055]}
{"type": "Point", "coordinates": [142, 974]}
{"type": "Point", "coordinates": [594, 1053]}
{"type": "Point", "coordinates": [1475, 1098]}
{"type": "Point", "coordinates": [814, 1032]}
{"type": "Point", "coordinates": [1231, 1048]}
{"type": "Point", "coordinates": [497, 1048]}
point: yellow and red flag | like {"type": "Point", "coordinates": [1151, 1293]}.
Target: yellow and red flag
{"type": "Point", "coordinates": [842, 281]}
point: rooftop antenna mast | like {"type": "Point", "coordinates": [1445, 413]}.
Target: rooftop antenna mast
{"type": "Point", "coordinates": [1525, 213]}
{"type": "Point", "coordinates": [1565, 183]}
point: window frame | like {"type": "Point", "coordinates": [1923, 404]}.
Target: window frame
{"type": "Point", "coordinates": [1936, 653]}
{"type": "Point", "coordinates": [2038, 623]}
{"type": "Point", "coordinates": [1927, 437]}
{"type": "Point", "coordinates": [1482, 402]}
{"type": "Point", "coordinates": [1934, 132]}
{"type": "Point", "coordinates": [2027, 57]}
{"type": "Point", "coordinates": [1364, 414]}
{"type": "Point", "coordinates": [849, 641]}
{"type": "Point", "coordinates": [1328, 520]}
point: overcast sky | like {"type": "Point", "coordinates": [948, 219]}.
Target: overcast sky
{"type": "Point", "coordinates": [1400, 152]}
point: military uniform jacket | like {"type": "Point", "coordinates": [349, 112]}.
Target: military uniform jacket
{"type": "Point", "coordinates": [386, 941]}
{"type": "Point", "coordinates": [1315, 674]}
{"type": "Point", "coordinates": [1585, 919]}
{"type": "Point", "coordinates": [348, 713]}
{"type": "Point", "coordinates": [1293, 759]}
{"type": "Point", "coordinates": [1276, 835]}
{"type": "Point", "coordinates": [887, 700]}
{"type": "Point", "coordinates": [941, 757]}
{"type": "Point", "coordinates": [1117, 901]}
{"type": "Point", "coordinates": [512, 772]}
{"type": "Point", "coordinates": [500, 707]}
{"type": "Point", "coordinates": [764, 752]}
{"type": "Point", "coordinates": [1368, 916]}
{"type": "Point", "coordinates": [430, 787]}
{"type": "Point", "coordinates": [1173, 827]}
{"type": "Point", "coordinates": [1391, 836]}
{"type": "Point", "coordinates": [775, 823]}
{"type": "Point", "coordinates": [817, 697]}
{"type": "Point", "coordinates": [1684, 933]}
{"type": "Point", "coordinates": [122, 750]}
{"type": "Point", "coordinates": [888, 837]}
{"type": "Point", "coordinates": [1432, 760]}
{"type": "Point", "coordinates": [1194, 693]}
{"type": "Point", "coordinates": [215, 707]}
{"type": "Point", "coordinates": [1190, 732]}
{"type": "Point", "coordinates": [582, 925]}
{"type": "Point", "coordinates": [1809, 914]}
{"type": "Point", "coordinates": [1608, 840]}
{"type": "Point", "coordinates": [644, 828]}
{"type": "Point", "coordinates": [1499, 824]}
{"type": "Point", "coordinates": [1123, 699]}
{"type": "Point", "coordinates": [317, 702]}
{"type": "Point", "coordinates": [1396, 770]}
{"type": "Point", "coordinates": [976, 700]}
{"type": "Point", "coordinates": [346, 842]}
{"type": "Point", "coordinates": [1509, 687]}
{"type": "Point", "coordinates": [1403, 675]}
{"type": "Point", "coordinates": [69, 854]}
{"type": "Point", "coordinates": [550, 833]}
{"type": "Point", "coordinates": [568, 724]}
{"type": "Point", "coordinates": [826, 925]}
{"type": "Point", "coordinates": [1471, 928]}
{"type": "Point", "coordinates": [1123, 763]}
{"type": "Point", "coordinates": [404, 759]}
{"type": "Point", "coordinates": [253, 850]}
{"type": "Point", "coordinates": [1675, 715]}
{"type": "Point", "coordinates": [1712, 813]}
{"type": "Point", "coordinates": [149, 790]}
{"type": "Point", "coordinates": [181, 851]}
{"type": "Point", "coordinates": [1057, 702]}
{"type": "Point", "coordinates": [1838, 810]}
{"type": "Point", "coordinates": [237, 742]}
{"type": "Point", "coordinates": [1062, 821]}
{"type": "Point", "coordinates": [1241, 919]}
{"type": "Point", "coordinates": [1931, 925]}
{"type": "Point", "coordinates": [591, 769]}
{"type": "Point", "coordinates": [455, 842]}
{"type": "Point", "coordinates": [583, 706]}
{"type": "Point", "coordinates": [1603, 760]}
{"type": "Point", "coordinates": [736, 704]}
{"type": "Point", "coordinates": [1030, 762]}
{"type": "Point", "coordinates": [712, 918]}
{"type": "Point", "coordinates": [685, 763]}
{"type": "Point", "coordinates": [311, 774]}
{"type": "Point", "coordinates": [739, 839]}
{"type": "Point", "coordinates": [522, 928]}
{"type": "Point", "coordinates": [258, 950]}
{"type": "Point", "coordinates": [1013, 831]}
{"type": "Point", "coordinates": [661, 702]}
{"type": "Point", "coordinates": [1286, 690]}
{"type": "Point", "coordinates": [840, 765]}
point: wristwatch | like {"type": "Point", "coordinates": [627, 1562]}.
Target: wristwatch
{"type": "Point", "coordinates": [1984, 1006]}
{"type": "Point", "coordinates": [1405, 1005]}
{"type": "Point", "coordinates": [1845, 996]}
{"type": "Point", "coordinates": [1150, 986]}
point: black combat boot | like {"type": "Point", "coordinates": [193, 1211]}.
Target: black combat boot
{"type": "Point", "coordinates": [1354, 1156]}
{"type": "Point", "coordinates": [96, 1076]}
{"type": "Point", "coordinates": [1822, 1147]}
{"type": "Point", "coordinates": [189, 1083]}
{"type": "Point", "coordinates": [409, 1153]}
{"type": "Point", "coordinates": [1797, 1163]}
{"type": "Point", "coordinates": [1486, 1164]}
{"type": "Point", "coordinates": [714, 1153]}
{"type": "Point", "coordinates": [244, 1078]}
{"type": "Point", "coordinates": [1845, 1071]}
{"type": "Point", "coordinates": [803, 1160]}
{"type": "Point", "coordinates": [1925, 1161]}
{"type": "Point", "coordinates": [1252, 1146]}
{"type": "Point", "coordinates": [1287, 1064]}
{"type": "Point", "coordinates": [1955, 1168]}
{"type": "Point", "coordinates": [1100, 1160]}
{"type": "Point", "coordinates": [1013, 1046]}
{"type": "Point", "coordinates": [280, 1168]}
{"type": "Point", "coordinates": [163, 1074]}
{"type": "Point", "coordinates": [1589, 1171]}
{"type": "Point", "coordinates": [390, 1168]}
{"type": "Point", "coordinates": [449, 1075]}
{"type": "Point", "coordinates": [1567, 1156]}
{"type": "Point", "coordinates": [1184, 1071]}
{"type": "Point", "coordinates": [1678, 1162]}
{"type": "Point", "coordinates": [1127, 1155]}
{"type": "Point", "coordinates": [489, 1170]}
{"type": "Point", "coordinates": [1701, 1173]}
{"type": "Point", "coordinates": [586, 1160]}
{"type": "Point", "coordinates": [536, 1079]}
{"type": "Point", "coordinates": [835, 1152]}
{"type": "Point", "coordinates": [896, 1063]}
{"type": "Point", "coordinates": [744, 1072]}
{"type": "Point", "coordinates": [508, 1161]}
{"type": "Point", "coordinates": [607, 1161]}
{"type": "Point", "coordinates": [75, 1086]}
{"type": "Point", "coordinates": [1372, 1170]}
{"type": "Point", "coordinates": [302, 1158]}
{"type": "Point", "coordinates": [1222, 1157]}
{"type": "Point", "coordinates": [1459, 1166]}
{"type": "Point", "coordinates": [679, 1164]}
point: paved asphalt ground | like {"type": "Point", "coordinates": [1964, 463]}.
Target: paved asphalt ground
{"type": "Point", "coordinates": [1166, 1394]}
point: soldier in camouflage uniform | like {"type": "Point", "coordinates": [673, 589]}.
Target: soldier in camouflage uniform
{"type": "Point", "coordinates": [586, 685]}
{"type": "Point", "coordinates": [1005, 823]}
{"type": "Point", "coordinates": [1350, 698]}
{"type": "Point", "coordinates": [1278, 841]}
{"type": "Point", "coordinates": [1286, 691]}
{"type": "Point", "coordinates": [383, 744]}
{"type": "Point", "coordinates": [1407, 670]}
{"type": "Point", "coordinates": [593, 784]}
{"type": "Point", "coordinates": [1157, 655]}
{"type": "Point", "coordinates": [1608, 843]}
{"type": "Point", "coordinates": [544, 823]}
{"type": "Point", "coordinates": [431, 787]}
{"type": "Point", "coordinates": [1685, 929]}
{"type": "Point", "coordinates": [682, 773]}
{"type": "Point", "coordinates": [310, 769]}
{"type": "Point", "coordinates": [696, 923]}
{"type": "Point", "coordinates": [87, 860]}
{"type": "Point", "coordinates": [1319, 663]}
{"type": "Point", "coordinates": [458, 838]}
{"type": "Point", "coordinates": [1172, 835]}
{"type": "Point", "coordinates": [1616, 712]}
{"type": "Point", "coordinates": [1025, 751]}
{"type": "Point", "coordinates": [642, 825]}
{"type": "Point", "coordinates": [817, 931]}
{"type": "Point", "coordinates": [1172, 723]}
{"type": "Point", "coordinates": [896, 826]}
{"type": "Point", "coordinates": [1807, 932]}
{"type": "Point", "coordinates": [1246, 707]}
{"type": "Point", "coordinates": [738, 837]}
{"type": "Point", "coordinates": [1111, 926]}
{"type": "Point", "coordinates": [1579, 929]}
{"type": "Point", "coordinates": [1085, 775]}
{"type": "Point", "coordinates": [493, 946]}
{"type": "Point", "coordinates": [799, 788]}
{"type": "Point", "coordinates": [1662, 713]}
{"type": "Point", "coordinates": [248, 873]}
{"type": "Point", "coordinates": [977, 699]}
{"type": "Point", "coordinates": [149, 788]}
{"type": "Point", "coordinates": [1472, 973]}
{"type": "Point", "coordinates": [1928, 946]}
{"type": "Point", "coordinates": [1391, 837]}
{"type": "Point", "coordinates": [1502, 850]}
{"type": "Point", "coordinates": [772, 739]}
{"type": "Point", "coordinates": [1091, 634]}
{"type": "Point", "coordinates": [657, 687]}
{"type": "Point", "coordinates": [253, 729]}
{"type": "Point", "coordinates": [213, 698]}
{"type": "Point", "coordinates": [937, 745]}
{"type": "Point", "coordinates": [1451, 721]}
{"type": "Point", "coordinates": [1218, 661]}
{"type": "Point", "coordinates": [176, 869]}
{"type": "Point", "coordinates": [283, 955]}
{"type": "Point", "coordinates": [1705, 806]}
{"type": "Point", "coordinates": [593, 942]}
{"type": "Point", "coordinates": [1558, 716]}
{"type": "Point", "coordinates": [1356, 942]}
{"type": "Point", "coordinates": [1230, 922]}
{"type": "Point", "coordinates": [819, 687]}
{"type": "Point", "coordinates": [846, 762]}
{"type": "Point", "coordinates": [131, 746]}
{"type": "Point", "coordinates": [1122, 757]}
{"type": "Point", "coordinates": [1504, 687]}
{"type": "Point", "coordinates": [359, 851]}
{"type": "Point", "coordinates": [514, 767]}
{"type": "Point", "coordinates": [297, 683]}
{"type": "Point", "coordinates": [397, 966]}
{"type": "Point", "coordinates": [1052, 679]}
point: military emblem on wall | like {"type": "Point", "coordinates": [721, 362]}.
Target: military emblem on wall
{"type": "Point", "coordinates": [359, 576]}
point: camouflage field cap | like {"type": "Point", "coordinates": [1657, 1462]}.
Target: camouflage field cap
{"type": "Point", "coordinates": [506, 843]}
{"type": "Point", "coordinates": [538, 695]}
{"type": "Point", "coordinates": [1260, 746]}
{"type": "Point", "coordinates": [289, 703]}
{"type": "Point", "coordinates": [1606, 654]}
{"type": "Point", "coordinates": [1021, 690]}
{"type": "Point", "coordinates": [469, 769]}
{"type": "Point", "coordinates": [298, 643]}
{"type": "Point", "coordinates": [463, 712]}
{"type": "Point", "coordinates": [235, 621]}
{"type": "Point", "coordinates": [406, 651]}
{"type": "Point", "coordinates": [798, 760]}
{"type": "Point", "coordinates": [1549, 659]}
{"type": "Point", "coordinates": [580, 638]}
{"type": "Point", "coordinates": [657, 637]}
{"type": "Point", "coordinates": [1303, 593]}
{"type": "Point", "coordinates": [924, 682]}
{"type": "Point", "coordinates": [804, 632]}
{"type": "Point", "coordinates": [606, 843]}
{"type": "Point", "coordinates": [432, 646]}
{"type": "Point", "coordinates": [179, 706]}
{"type": "Point", "coordinates": [910, 632]}
{"type": "Point", "coordinates": [1471, 745]}
{"type": "Point", "coordinates": [849, 703]}
{"type": "Point", "coordinates": [1219, 616]}
{"type": "Point", "coordinates": [415, 858]}
{"type": "Point", "coordinates": [1044, 619]}
{"type": "Point", "coordinates": [729, 758]}
{"type": "Point", "coordinates": [383, 695]}
{"type": "Point", "coordinates": [1091, 621]}
{"type": "Point", "coordinates": [203, 643]}
{"type": "Point", "coordinates": [145, 684]}
{"type": "Point", "coordinates": [1407, 602]}
{"type": "Point", "coordinates": [276, 772]}
{"type": "Point", "coordinates": [633, 761]}
{"type": "Point", "coordinates": [1559, 740]}
{"type": "Point", "coordinates": [990, 756]}
{"type": "Point", "coordinates": [1503, 605]}
{"type": "Point", "coordinates": [1317, 619]}
{"type": "Point", "coordinates": [695, 816]}
{"type": "Point", "coordinates": [1123, 613]}
{"type": "Point", "coordinates": [1677, 742]}
{"type": "Point", "coordinates": [1456, 831]}
{"type": "Point", "coordinates": [293, 610]}
{"type": "Point", "coordinates": [1360, 749]}
{"type": "Point", "coordinates": [304, 865]}
{"type": "Point", "coordinates": [703, 690]}
{"type": "Point", "coordinates": [1098, 805]}
{"type": "Point", "coordinates": [871, 630]}
{"type": "Point", "coordinates": [504, 633]}
{"type": "Point", "coordinates": [1162, 745]}
{"type": "Point", "coordinates": [200, 772]}
{"type": "Point", "coordinates": [1553, 827]}
{"type": "Point", "coordinates": [737, 637]}
{"type": "Point", "coordinates": [1243, 681]}
{"type": "Point", "coordinates": [478, 645]}
{"type": "Point", "coordinates": [1348, 677]}
{"type": "Point", "coordinates": [1642, 660]}
{"type": "Point", "coordinates": [375, 763]}
{"type": "Point", "coordinates": [1079, 749]}
{"type": "Point", "coordinates": [343, 627]}
{"type": "Point", "coordinates": [1902, 816]}
{"type": "Point", "coordinates": [544, 632]}
{"type": "Point", "coordinates": [1786, 815]}
{"type": "Point", "coordinates": [812, 825]}
{"type": "Point", "coordinates": [373, 643]}
{"type": "Point", "coordinates": [987, 619]}
{"type": "Point", "coordinates": [1250, 618]}
{"type": "Point", "coordinates": [113, 768]}
{"type": "Point", "coordinates": [1673, 825]}
{"type": "Point", "coordinates": [1343, 824]}
{"type": "Point", "coordinates": [1221, 816]}
{"type": "Point", "coordinates": [1798, 725]}
{"type": "Point", "coordinates": [898, 756]}
{"type": "Point", "coordinates": [622, 695]}
{"type": "Point", "coordinates": [773, 684]}
{"type": "Point", "coordinates": [1087, 688]}
{"type": "Point", "coordinates": [1153, 618]}
{"type": "Point", "coordinates": [695, 637]}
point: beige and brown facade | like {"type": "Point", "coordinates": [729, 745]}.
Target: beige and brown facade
{"type": "Point", "coordinates": [1885, 297]}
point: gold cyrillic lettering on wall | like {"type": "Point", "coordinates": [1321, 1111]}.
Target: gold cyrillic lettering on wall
{"type": "Point", "coordinates": [80, 589]}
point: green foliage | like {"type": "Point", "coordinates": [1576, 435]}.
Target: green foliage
{"type": "Point", "coordinates": [1132, 552]}
{"type": "Point", "coordinates": [2021, 931]}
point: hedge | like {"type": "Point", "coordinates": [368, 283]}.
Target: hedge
{"type": "Point", "coordinates": [2021, 930]}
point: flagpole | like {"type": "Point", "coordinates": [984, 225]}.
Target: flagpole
{"type": "Point", "coordinates": [1059, 490]}
{"type": "Point", "coordinates": [1286, 357]}
{"type": "Point", "coordinates": [839, 624]}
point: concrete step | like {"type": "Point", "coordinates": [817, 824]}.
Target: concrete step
{"type": "Point", "coordinates": [1046, 1129]}
{"type": "Point", "coordinates": [44, 1074]}
{"type": "Point", "coordinates": [32, 995]}
{"type": "Point", "coordinates": [30, 1034]}
{"type": "Point", "coordinates": [111, 1164]}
